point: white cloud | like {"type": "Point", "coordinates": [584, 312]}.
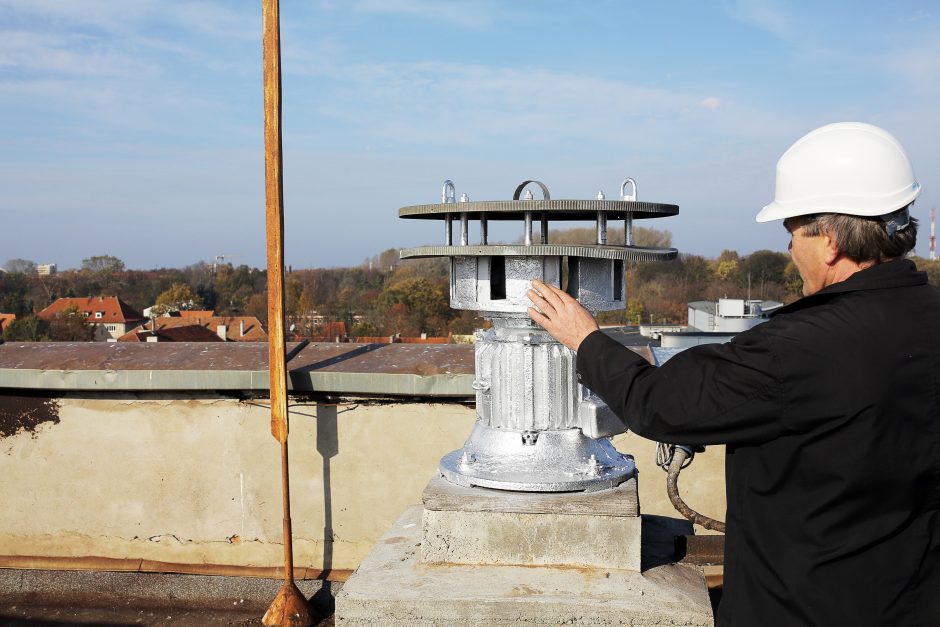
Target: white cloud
{"type": "Point", "coordinates": [767, 15]}
{"type": "Point", "coordinates": [464, 14]}
{"type": "Point", "coordinates": [63, 54]}
{"type": "Point", "coordinates": [711, 102]}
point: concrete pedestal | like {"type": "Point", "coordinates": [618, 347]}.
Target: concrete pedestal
{"type": "Point", "coordinates": [394, 587]}
{"type": "Point", "coordinates": [483, 526]}
{"type": "Point", "coordinates": [473, 556]}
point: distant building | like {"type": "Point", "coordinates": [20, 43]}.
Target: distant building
{"type": "Point", "coordinates": [112, 316]}
{"type": "Point", "coordinates": [226, 328]}
{"type": "Point", "coordinates": [715, 322]}
{"type": "Point", "coordinates": [729, 315]}
{"type": "Point", "coordinates": [188, 333]}
{"type": "Point", "coordinates": [46, 269]}
{"type": "Point", "coordinates": [181, 313]}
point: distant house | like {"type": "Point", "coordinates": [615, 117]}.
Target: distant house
{"type": "Point", "coordinates": [181, 313]}
{"type": "Point", "coordinates": [6, 320]}
{"type": "Point", "coordinates": [46, 269]}
{"type": "Point", "coordinates": [225, 328]}
{"type": "Point", "coordinates": [188, 333]}
{"type": "Point", "coordinates": [192, 313]}
{"type": "Point", "coordinates": [112, 316]}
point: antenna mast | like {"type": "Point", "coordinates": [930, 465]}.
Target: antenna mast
{"type": "Point", "coordinates": [933, 233]}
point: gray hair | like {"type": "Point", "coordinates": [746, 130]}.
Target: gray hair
{"type": "Point", "coordinates": [865, 239]}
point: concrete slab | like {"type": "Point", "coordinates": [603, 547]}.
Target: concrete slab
{"type": "Point", "coordinates": [474, 525]}
{"type": "Point", "coordinates": [442, 495]}
{"type": "Point", "coordinates": [531, 539]}
{"type": "Point", "coordinates": [40, 597]}
{"type": "Point", "coordinates": [393, 587]}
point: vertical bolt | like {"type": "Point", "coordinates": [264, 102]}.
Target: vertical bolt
{"type": "Point", "coordinates": [601, 227]}
{"type": "Point", "coordinates": [448, 231]}
{"type": "Point", "coordinates": [483, 229]}
{"type": "Point", "coordinates": [464, 230]}
{"type": "Point", "coordinates": [628, 230]}
{"type": "Point", "coordinates": [543, 228]}
{"type": "Point", "coordinates": [528, 228]}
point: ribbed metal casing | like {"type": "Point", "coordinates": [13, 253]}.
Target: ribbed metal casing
{"type": "Point", "coordinates": [526, 381]}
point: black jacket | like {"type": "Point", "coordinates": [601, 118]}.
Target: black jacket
{"type": "Point", "coordinates": [831, 416]}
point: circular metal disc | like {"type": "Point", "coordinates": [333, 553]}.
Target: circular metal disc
{"type": "Point", "coordinates": [558, 461]}
{"type": "Point", "coordinates": [553, 209]}
{"type": "Point", "coordinates": [626, 253]}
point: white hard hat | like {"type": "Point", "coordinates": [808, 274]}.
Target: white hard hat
{"type": "Point", "coordinates": [848, 167]}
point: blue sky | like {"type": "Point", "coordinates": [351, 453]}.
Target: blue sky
{"type": "Point", "coordinates": [134, 128]}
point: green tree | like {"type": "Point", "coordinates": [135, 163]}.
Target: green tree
{"type": "Point", "coordinates": [70, 326]}
{"type": "Point", "coordinates": [20, 266]}
{"type": "Point", "coordinates": [178, 297]}
{"type": "Point", "coordinates": [30, 328]}
{"type": "Point", "coordinates": [102, 264]}
{"type": "Point", "coordinates": [418, 304]}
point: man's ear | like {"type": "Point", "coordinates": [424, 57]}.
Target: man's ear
{"type": "Point", "coordinates": [832, 249]}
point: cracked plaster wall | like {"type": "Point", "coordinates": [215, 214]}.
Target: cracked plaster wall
{"type": "Point", "coordinates": [197, 480]}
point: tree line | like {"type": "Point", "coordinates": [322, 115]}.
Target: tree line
{"type": "Point", "coordinates": [384, 295]}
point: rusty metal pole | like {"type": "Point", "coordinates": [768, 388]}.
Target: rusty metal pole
{"type": "Point", "coordinates": [290, 607]}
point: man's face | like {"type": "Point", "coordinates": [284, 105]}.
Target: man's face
{"type": "Point", "coordinates": [809, 254]}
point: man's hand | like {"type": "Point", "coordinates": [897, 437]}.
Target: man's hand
{"type": "Point", "coordinates": [561, 315]}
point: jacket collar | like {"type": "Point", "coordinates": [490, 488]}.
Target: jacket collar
{"type": "Point", "coordinates": [898, 273]}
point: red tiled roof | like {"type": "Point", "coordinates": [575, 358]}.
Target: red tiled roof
{"type": "Point", "coordinates": [194, 313]}
{"type": "Point", "coordinates": [188, 333]}
{"type": "Point", "coordinates": [424, 340]}
{"type": "Point", "coordinates": [330, 331]}
{"type": "Point", "coordinates": [253, 332]}
{"type": "Point", "coordinates": [6, 319]}
{"type": "Point", "coordinates": [111, 308]}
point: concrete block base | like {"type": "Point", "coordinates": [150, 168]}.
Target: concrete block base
{"type": "Point", "coordinates": [531, 539]}
{"type": "Point", "coordinates": [483, 526]}
{"type": "Point", "coordinates": [392, 586]}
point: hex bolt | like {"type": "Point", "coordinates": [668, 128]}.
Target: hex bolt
{"type": "Point", "coordinates": [594, 468]}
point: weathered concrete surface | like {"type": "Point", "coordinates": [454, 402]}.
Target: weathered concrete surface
{"type": "Point", "coordinates": [441, 494]}
{"type": "Point", "coordinates": [197, 480]}
{"type": "Point", "coordinates": [531, 539]}
{"type": "Point", "coordinates": [194, 478]}
{"type": "Point", "coordinates": [104, 598]}
{"type": "Point", "coordinates": [393, 587]}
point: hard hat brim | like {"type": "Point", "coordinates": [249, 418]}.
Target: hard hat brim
{"type": "Point", "coordinates": [847, 205]}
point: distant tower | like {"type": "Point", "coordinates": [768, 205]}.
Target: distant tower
{"type": "Point", "coordinates": [933, 233]}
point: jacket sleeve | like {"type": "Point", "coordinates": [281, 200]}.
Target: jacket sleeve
{"type": "Point", "coordinates": [716, 393]}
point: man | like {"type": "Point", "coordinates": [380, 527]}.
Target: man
{"type": "Point", "coordinates": [830, 411]}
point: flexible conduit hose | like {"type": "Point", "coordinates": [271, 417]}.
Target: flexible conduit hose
{"type": "Point", "coordinates": [672, 488]}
